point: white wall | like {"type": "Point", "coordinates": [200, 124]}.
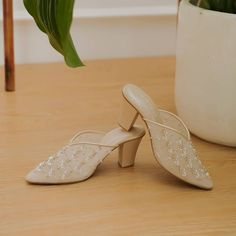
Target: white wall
{"type": "Point", "coordinates": [102, 29]}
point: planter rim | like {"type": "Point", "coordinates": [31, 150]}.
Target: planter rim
{"type": "Point", "coordinates": [206, 11]}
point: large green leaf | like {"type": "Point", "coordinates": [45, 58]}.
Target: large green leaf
{"type": "Point", "coordinates": [54, 17]}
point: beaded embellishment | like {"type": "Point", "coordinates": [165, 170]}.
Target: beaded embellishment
{"type": "Point", "coordinates": [76, 160]}
{"type": "Point", "coordinates": [174, 143]}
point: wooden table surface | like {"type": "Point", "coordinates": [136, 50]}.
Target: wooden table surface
{"type": "Point", "coordinates": [52, 103]}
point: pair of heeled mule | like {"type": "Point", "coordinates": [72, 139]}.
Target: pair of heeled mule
{"type": "Point", "coordinates": [169, 136]}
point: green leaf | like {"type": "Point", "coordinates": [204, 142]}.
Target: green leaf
{"type": "Point", "coordinates": [54, 18]}
{"type": "Point", "coordinates": [203, 3]}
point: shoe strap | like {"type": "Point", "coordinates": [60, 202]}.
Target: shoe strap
{"type": "Point", "coordinates": [92, 143]}
{"type": "Point", "coordinates": [176, 119]}
{"type": "Point", "coordinates": [89, 143]}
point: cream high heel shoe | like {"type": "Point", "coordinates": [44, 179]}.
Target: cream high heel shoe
{"type": "Point", "coordinates": [78, 160]}
{"type": "Point", "coordinates": [169, 135]}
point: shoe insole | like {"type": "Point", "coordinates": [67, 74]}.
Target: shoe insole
{"type": "Point", "coordinates": [142, 102]}
{"type": "Point", "coordinates": [119, 135]}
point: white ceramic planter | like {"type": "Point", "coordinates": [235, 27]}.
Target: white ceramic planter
{"type": "Point", "coordinates": [205, 89]}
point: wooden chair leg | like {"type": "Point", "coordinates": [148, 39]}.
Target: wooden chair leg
{"type": "Point", "coordinates": [9, 45]}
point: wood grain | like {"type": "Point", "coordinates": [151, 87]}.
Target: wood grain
{"type": "Point", "coordinates": [51, 104]}
{"type": "Point", "coordinates": [9, 45]}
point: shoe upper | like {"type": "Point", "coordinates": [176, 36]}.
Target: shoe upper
{"type": "Point", "coordinates": [74, 162]}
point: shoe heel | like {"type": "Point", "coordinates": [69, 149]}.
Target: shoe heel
{"type": "Point", "coordinates": [128, 115]}
{"type": "Point", "coordinates": [127, 152]}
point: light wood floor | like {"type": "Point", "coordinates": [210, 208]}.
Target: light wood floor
{"type": "Point", "coordinates": [52, 103]}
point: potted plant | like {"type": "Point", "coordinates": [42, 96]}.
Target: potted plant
{"type": "Point", "coordinates": [205, 69]}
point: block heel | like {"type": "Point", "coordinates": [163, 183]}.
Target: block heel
{"type": "Point", "coordinates": [128, 115]}
{"type": "Point", "coordinates": [127, 152]}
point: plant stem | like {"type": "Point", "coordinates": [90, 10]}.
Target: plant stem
{"type": "Point", "coordinates": [199, 2]}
